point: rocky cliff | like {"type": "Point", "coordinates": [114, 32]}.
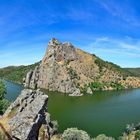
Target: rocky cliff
{"type": "Point", "coordinates": [28, 116]}
{"type": "Point", "coordinates": [67, 69]}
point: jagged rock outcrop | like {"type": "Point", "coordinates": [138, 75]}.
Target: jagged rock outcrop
{"type": "Point", "coordinates": [29, 113]}
{"type": "Point", "coordinates": [32, 78]}
{"type": "Point", "coordinates": [53, 74]}
{"type": "Point", "coordinates": [67, 69]}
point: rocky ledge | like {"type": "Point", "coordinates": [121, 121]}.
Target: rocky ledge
{"type": "Point", "coordinates": [28, 114]}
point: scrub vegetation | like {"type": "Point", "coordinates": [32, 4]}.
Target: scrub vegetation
{"type": "Point", "coordinates": [3, 102]}
{"type": "Point", "coordinates": [16, 73]}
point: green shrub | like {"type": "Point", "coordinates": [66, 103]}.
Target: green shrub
{"type": "Point", "coordinates": [121, 138]}
{"type": "Point", "coordinates": [96, 86]}
{"type": "Point", "coordinates": [55, 126]}
{"type": "Point", "coordinates": [116, 86]}
{"type": "Point", "coordinates": [137, 135]}
{"type": "Point", "coordinates": [3, 105]}
{"type": "Point", "coordinates": [72, 73]}
{"type": "Point", "coordinates": [2, 136]}
{"type": "Point", "coordinates": [2, 90]}
{"type": "Point", "coordinates": [101, 86]}
{"type": "Point", "coordinates": [3, 102]}
{"type": "Point", "coordinates": [103, 137]}
{"type": "Point", "coordinates": [75, 134]}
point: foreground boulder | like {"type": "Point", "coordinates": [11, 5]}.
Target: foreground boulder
{"type": "Point", "coordinates": [29, 113]}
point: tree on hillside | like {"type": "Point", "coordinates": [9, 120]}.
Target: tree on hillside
{"type": "Point", "coordinates": [3, 102]}
{"type": "Point", "coordinates": [2, 90]}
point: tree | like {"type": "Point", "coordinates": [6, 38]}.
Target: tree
{"type": "Point", "coordinates": [75, 134]}
{"type": "Point", "coordinates": [137, 135]}
{"type": "Point", "coordinates": [2, 90]}
{"type": "Point", "coordinates": [103, 137]}
{"type": "Point", "coordinates": [3, 102]}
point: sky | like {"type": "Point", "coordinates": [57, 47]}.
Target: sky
{"type": "Point", "coordinates": [109, 29]}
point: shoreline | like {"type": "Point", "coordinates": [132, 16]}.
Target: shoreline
{"type": "Point", "coordinates": [71, 94]}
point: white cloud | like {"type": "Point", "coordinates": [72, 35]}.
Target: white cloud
{"type": "Point", "coordinates": [116, 46]}
{"type": "Point", "coordinates": [123, 11]}
{"type": "Point", "coordinates": [131, 47]}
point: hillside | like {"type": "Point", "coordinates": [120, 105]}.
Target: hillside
{"type": "Point", "coordinates": [134, 71]}
{"type": "Point", "coordinates": [16, 73]}
{"type": "Point", "coordinates": [67, 69]}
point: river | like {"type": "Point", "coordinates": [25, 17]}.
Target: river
{"type": "Point", "coordinates": [105, 112]}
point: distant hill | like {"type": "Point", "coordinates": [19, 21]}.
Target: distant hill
{"type": "Point", "coordinates": [134, 71]}
{"type": "Point", "coordinates": [16, 73]}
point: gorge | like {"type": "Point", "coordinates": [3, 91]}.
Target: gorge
{"type": "Point", "coordinates": [105, 112]}
{"type": "Point", "coordinates": [106, 106]}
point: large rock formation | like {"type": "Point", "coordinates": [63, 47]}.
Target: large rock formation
{"type": "Point", "coordinates": [67, 69]}
{"type": "Point", "coordinates": [29, 113]}
{"type": "Point", "coordinates": [54, 72]}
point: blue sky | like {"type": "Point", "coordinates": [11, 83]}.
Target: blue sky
{"type": "Point", "coordinates": [108, 28]}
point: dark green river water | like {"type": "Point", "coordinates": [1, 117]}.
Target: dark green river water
{"type": "Point", "coordinates": [104, 112]}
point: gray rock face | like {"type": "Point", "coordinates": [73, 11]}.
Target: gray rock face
{"type": "Point", "coordinates": [76, 93]}
{"type": "Point", "coordinates": [53, 72]}
{"type": "Point", "coordinates": [32, 78]}
{"type": "Point", "coordinates": [58, 52]}
{"type": "Point", "coordinates": [28, 78]}
{"type": "Point", "coordinates": [89, 91]}
{"type": "Point", "coordinates": [30, 114]}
